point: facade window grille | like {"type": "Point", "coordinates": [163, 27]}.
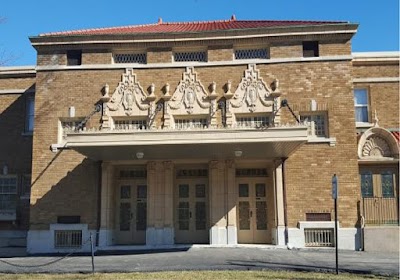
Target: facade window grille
{"type": "Point", "coordinates": [8, 194]}
{"type": "Point", "coordinates": [130, 124]}
{"type": "Point", "coordinates": [252, 121]}
{"type": "Point", "coordinates": [191, 123]}
{"type": "Point", "coordinates": [310, 49]}
{"type": "Point", "coordinates": [74, 57]}
{"type": "Point", "coordinates": [30, 114]}
{"type": "Point", "coordinates": [252, 54]}
{"type": "Point", "coordinates": [319, 121]}
{"type": "Point", "coordinates": [361, 105]}
{"type": "Point", "coordinates": [140, 58]}
{"type": "Point", "coordinates": [190, 56]}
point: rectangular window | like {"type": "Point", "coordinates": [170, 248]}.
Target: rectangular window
{"type": "Point", "coordinates": [190, 56]}
{"type": "Point", "coordinates": [191, 123]}
{"type": "Point", "coordinates": [74, 57]}
{"type": "Point", "coordinates": [367, 187]}
{"type": "Point", "coordinates": [310, 49]}
{"type": "Point", "coordinates": [387, 184]}
{"type": "Point", "coordinates": [8, 194]}
{"type": "Point", "coordinates": [130, 124]}
{"type": "Point", "coordinates": [29, 113]}
{"type": "Point", "coordinates": [319, 121]}
{"type": "Point", "coordinates": [252, 54]}
{"type": "Point", "coordinates": [26, 185]}
{"type": "Point", "coordinates": [252, 121]}
{"type": "Point", "coordinates": [140, 58]}
{"type": "Point", "coordinates": [361, 105]}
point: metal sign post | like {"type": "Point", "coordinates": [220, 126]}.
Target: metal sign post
{"type": "Point", "coordinates": [335, 192]}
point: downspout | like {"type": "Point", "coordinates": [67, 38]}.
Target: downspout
{"type": "Point", "coordinates": [284, 201]}
{"type": "Point", "coordinates": [100, 177]}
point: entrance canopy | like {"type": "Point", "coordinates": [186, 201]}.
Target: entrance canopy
{"type": "Point", "coordinates": [268, 143]}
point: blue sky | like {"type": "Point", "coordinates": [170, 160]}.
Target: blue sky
{"type": "Point", "coordinates": [378, 30]}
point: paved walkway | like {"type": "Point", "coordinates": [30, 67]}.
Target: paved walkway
{"type": "Point", "coordinates": [208, 258]}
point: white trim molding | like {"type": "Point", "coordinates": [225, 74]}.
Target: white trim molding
{"type": "Point", "coordinates": [377, 80]}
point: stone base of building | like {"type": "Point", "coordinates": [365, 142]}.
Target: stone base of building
{"type": "Point", "coordinates": [381, 239]}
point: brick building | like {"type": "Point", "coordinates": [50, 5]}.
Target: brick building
{"type": "Point", "coordinates": [222, 133]}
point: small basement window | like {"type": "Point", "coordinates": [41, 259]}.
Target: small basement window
{"type": "Point", "coordinates": [140, 58]}
{"type": "Point", "coordinates": [74, 57]}
{"type": "Point", "coordinates": [310, 49]}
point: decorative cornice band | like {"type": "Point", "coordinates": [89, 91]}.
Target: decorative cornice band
{"type": "Point", "coordinates": [193, 64]}
{"type": "Point", "coordinates": [377, 80]}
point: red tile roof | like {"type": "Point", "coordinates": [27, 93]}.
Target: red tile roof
{"type": "Point", "coordinates": [188, 27]}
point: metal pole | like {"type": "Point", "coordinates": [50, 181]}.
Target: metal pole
{"type": "Point", "coordinates": [92, 251]}
{"type": "Point", "coordinates": [336, 239]}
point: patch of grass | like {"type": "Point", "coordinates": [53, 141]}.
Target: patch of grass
{"type": "Point", "coordinates": [195, 275]}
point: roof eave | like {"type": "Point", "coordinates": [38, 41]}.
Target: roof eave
{"type": "Point", "coordinates": [336, 28]}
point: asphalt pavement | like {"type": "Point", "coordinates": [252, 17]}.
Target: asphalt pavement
{"type": "Point", "coordinates": [209, 258]}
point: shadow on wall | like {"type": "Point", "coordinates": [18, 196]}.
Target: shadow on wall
{"type": "Point", "coordinates": [75, 193]}
{"type": "Point", "coordinates": [16, 150]}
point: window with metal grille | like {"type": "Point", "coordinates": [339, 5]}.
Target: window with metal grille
{"type": "Point", "coordinates": [130, 124]}
{"type": "Point", "coordinates": [251, 54]}
{"type": "Point", "coordinates": [251, 172]}
{"type": "Point", "coordinates": [190, 56]}
{"type": "Point", "coordinates": [319, 121]}
{"type": "Point", "coordinates": [8, 193]}
{"type": "Point", "coordinates": [191, 123]}
{"type": "Point", "coordinates": [140, 58]}
{"type": "Point", "coordinates": [252, 121]}
{"type": "Point", "coordinates": [316, 237]}
{"type": "Point", "coordinates": [67, 238]}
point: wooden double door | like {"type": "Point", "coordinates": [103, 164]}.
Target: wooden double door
{"type": "Point", "coordinates": [252, 212]}
{"type": "Point", "coordinates": [131, 216]}
{"type": "Point", "coordinates": [191, 212]}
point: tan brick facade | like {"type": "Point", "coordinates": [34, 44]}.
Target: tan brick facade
{"type": "Point", "coordinates": [67, 183]}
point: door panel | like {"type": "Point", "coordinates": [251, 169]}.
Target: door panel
{"type": "Point", "coordinates": [252, 212]}
{"type": "Point", "coordinates": [132, 215]}
{"type": "Point", "coordinates": [191, 218]}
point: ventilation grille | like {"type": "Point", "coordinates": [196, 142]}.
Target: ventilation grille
{"type": "Point", "coordinates": [68, 239]}
{"type": "Point", "coordinates": [190, 56]}
{"type": "Point", "coordinates": [251, 54]}
{"type": "Point", "coordinates": [140, 58]}
{"type": "Point", "coordinates": [318, 237]}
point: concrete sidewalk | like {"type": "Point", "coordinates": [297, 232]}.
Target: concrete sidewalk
{"type": "Point", "coordinates": [209, 258]}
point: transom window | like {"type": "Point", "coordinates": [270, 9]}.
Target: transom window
{"type": "Point", "coordinates": [200, 56]}
{"type": "Point", "coordinates": [319, 121]}
{"type": "Point", "coordinates": [251, 54]}
{"type": "Point", "coordinates": [140, 58]}
{"type": "Point", "coordinates": [8, 194]}
{"type": "Point", "coordinates": [252, 121]}
{"type": "Point", "coordinates": [191, 123]}
{"type": "Point", "coordinates": [361, 104]}
{"type": "Point", "coordinates": [130, 124]}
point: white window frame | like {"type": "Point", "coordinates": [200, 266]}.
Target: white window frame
{"type": "Point", "coordinates": [9, 214]}
{"type": "Point", "coordinates": [312, 117]}
{"type": "Point", "coordinates": [29, 114]}
{"type": "Point", "coordinates": [361, 123]}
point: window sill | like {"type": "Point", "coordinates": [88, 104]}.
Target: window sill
{"type": "Point", "coordinates": [8, 215]}
{"type": "Point", "coordinates": [27, 133]}
{"type": "Point", "coordinates": [320, 140]}
{"type": "Point", "coordinates": [364, 125]}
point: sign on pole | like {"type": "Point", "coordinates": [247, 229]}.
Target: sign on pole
{"type": "Point", "coordinates": [335, 187]}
